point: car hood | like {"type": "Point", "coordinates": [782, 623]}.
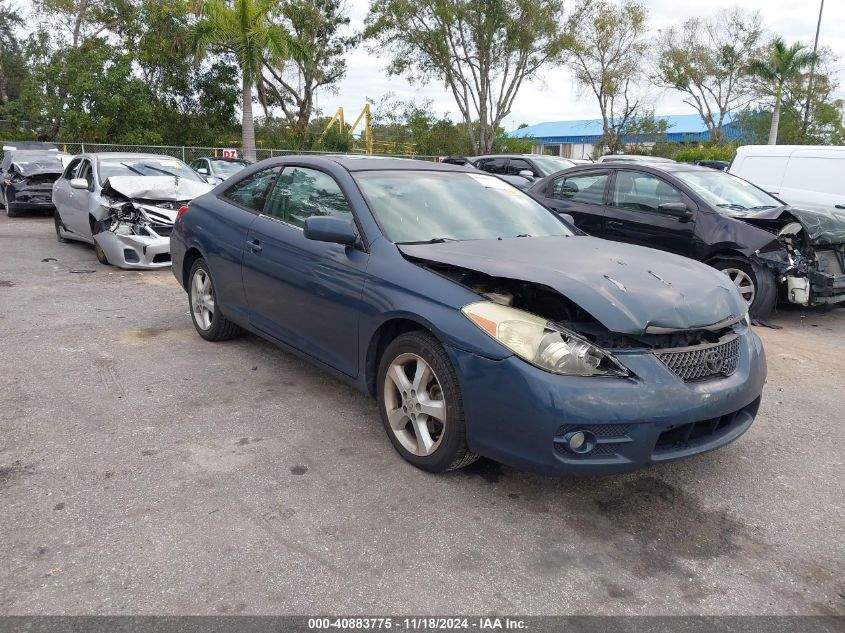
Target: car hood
{"type": "Point", "coordinates": [34, 168]}
{"type": "Point", "coordinates": [170, 188]}
{"type": "Point", "coordinates": [627, 288]}
{"type": "Point", "coordinates": [822, 227]}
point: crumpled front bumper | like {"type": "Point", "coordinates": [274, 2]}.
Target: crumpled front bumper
{"type": "Point", "coordinates": [519, 415]}
{"type": "Point", "coordinates": [134, 252]}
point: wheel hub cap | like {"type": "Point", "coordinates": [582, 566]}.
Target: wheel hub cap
{"type": "Point", "coordinates": [414, 403]}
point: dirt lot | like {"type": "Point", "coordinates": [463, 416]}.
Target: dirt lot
{"type": "Point", "coordinates": [143, 470]}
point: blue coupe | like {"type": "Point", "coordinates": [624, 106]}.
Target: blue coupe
{"type": "Point", "coordinates": [484, 323]}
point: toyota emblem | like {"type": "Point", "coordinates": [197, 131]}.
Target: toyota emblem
{"type": "Point", "coordinates": [714, 361]}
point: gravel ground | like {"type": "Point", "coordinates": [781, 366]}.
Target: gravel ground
{"type": "Point", "coordinates": [145, 471]}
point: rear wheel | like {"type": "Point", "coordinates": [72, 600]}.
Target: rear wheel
{"type": "Point", "coordinates": [755, 283]}
{"type": "Point", "coordinates": [420, 404]}
{"type": "Point", "coordinates": [209, 323]}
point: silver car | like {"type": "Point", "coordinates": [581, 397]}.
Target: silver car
{"type": "Point", "coordinates": [124, 204]}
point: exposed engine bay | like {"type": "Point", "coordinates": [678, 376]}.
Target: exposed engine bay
{"type": "Point", "coordinates": [137, 218]}
{"type": "Point", "coordinates": [814, 270]}
{"type": "Point", "coordinates": [548, 303]}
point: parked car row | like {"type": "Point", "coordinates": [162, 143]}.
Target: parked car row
{"type": "Point", "coordinates": [486, 321]}
{"type": "Point", "coordinates": [124, 204]}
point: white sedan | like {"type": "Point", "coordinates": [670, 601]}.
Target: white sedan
{"type": "Point", "coordinates": [124, 204]}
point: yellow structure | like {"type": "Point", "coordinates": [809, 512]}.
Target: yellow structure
{"type": "Point", "coordinates": [368, 128]}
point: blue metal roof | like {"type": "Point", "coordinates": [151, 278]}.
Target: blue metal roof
{"type": "Point", "coordinates": [680, 127]}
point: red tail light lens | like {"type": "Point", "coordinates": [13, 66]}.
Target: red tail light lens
{"type": "Point", "coordinates": [181, 211]}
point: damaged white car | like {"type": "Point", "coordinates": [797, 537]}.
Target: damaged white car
{"type": "Point", "coordinates": [125, 205]}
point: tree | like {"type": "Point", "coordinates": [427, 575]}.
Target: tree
{"type": "Point", "coordinates": [608, 60]}
{"type": "Point", "coordinates": [318, 62]}
{"type": "Point", "coordinates": [780, 65]}
{"type": "Point", "coordinates": [12, 67]}
{"type": "Point", "coordinates": [249, 30]}
{"type": "Point", "coordinates": [481, 51]}
{"type": "Point", "coordinates": [707, 60]}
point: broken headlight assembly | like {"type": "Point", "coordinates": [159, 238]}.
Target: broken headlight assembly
{"type": "Point", "coordinates": [542, 343]}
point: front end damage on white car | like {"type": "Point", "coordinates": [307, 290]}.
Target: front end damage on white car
{"type": "Point", "coordinates": [137, 216]}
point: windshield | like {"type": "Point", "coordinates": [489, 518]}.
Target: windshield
{"type": "Point", "coordinates": [164, 166]}
{"type": "Point", "coordinates": [729, 194]}
{"type": "Point", "coordinates": [551, 164]}
{"type": "Point", "coordinates": [227, 167]}
{"type": "Point", "coordinates": [430, 206]}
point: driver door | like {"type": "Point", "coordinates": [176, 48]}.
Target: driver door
{"type": "Point", "coordinates": [304, 292]}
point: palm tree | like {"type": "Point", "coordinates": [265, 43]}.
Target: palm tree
{"type": "Point", "coordinates": [246, 29]}
{"type": "Point", "coordinates": [782, 65]}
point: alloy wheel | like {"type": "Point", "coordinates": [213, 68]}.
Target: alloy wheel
{"type": "Point", "coordinates": [743, 282]}
{"type": "Point", "coordinates": [202, 299]}
{"type": "Point", "coordinates": [413, 399]}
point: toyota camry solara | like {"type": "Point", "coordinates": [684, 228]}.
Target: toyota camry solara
{"type": "Point", "coordinates": [483, 323]}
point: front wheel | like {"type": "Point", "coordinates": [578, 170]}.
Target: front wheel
{"type": "Point", "coordinates": [98, 250]}
{"type": "Point", "coordinates": [57, 222]}
{"type": "Point", "coordinates": [420, 404]}
{"type": "Point", "coordinates": [755, 283]}
{"type": "Point", "coordinates": [209, 323]}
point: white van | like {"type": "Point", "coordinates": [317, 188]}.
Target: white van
{"type": "Point", "coordinates": [804, 176]}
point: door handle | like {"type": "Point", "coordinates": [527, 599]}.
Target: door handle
{"type": "Point", "coordinates": [253, 245]}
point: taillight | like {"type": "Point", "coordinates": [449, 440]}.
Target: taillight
{"type": "Point", "coordinates": [181, 211]}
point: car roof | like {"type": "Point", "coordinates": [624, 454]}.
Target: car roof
{"type": "Point", "coordinates": [101, 155]}
{"type": "Point", "coordinates": [638, 166]}
{"type": "Point", "coordinates": [354, 163]}
{"type": "Point", "coordinates": [227, 159]}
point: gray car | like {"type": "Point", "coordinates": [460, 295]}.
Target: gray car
{"type": "Point", "coordinates": [216, 169]}
{"type": "Point", "coordinates": [124, 204]}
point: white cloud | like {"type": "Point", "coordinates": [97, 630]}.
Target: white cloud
{"type": "Point", "coordinates": [554, 96]}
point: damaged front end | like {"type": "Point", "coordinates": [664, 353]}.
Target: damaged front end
{"type": "Point", "coordinates": [138, 216]}
{"type": "Point", "coordinates": [30, 187]}
{"type": "Point", "coordinates": [137, 235]}
{"type": "Point", "coordinates": [811, 264]}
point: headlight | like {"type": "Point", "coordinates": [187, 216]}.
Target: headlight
{"type": "Point", "coordinates": [542, 343]}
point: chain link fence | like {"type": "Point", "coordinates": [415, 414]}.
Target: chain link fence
{"type": "Point", "coordinates": [189, 154]}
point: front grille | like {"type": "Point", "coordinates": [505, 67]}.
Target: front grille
{"type": "Point", "coordinates": [702, 361]}
{"type": "Point", "coordinates": [162, 230]}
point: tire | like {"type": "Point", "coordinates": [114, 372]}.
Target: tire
{"type": "Point", "coordinates": [96, 228]}
{"type": "Point", "coordinates": [208, 322]}
{"type": "Point", "coordinates": [753, 281]}
{"type": "Point", "coordinates": [12, 213]}
{"type": "Point", "coordinates": [57, 222]}
{"type": "Point", "coordinates": [430, 443]}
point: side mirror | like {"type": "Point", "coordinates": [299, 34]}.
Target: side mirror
{"type": "Point", "coordinates": [202, 170]}
{"type": "Point", "coordinates": [675, 209]}
{"type": "Point", "coordinates": [327, 228]}
{"type": "Point", "coordinates": [568, 218]}
{"type": "Point", "coordinates": [79, 183]}
{"type": "Point", "coordinates": [527, 173]}
{"type": "Point", "coordinates": [212, 180]}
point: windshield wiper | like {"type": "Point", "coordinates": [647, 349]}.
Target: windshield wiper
{"type": "Point", "coordinates": [524, 235]}
{"type": "Point", "coordinates": [434, 240]}
{"type": "Point", "coordinates": [763, 207]}
{"type": "Point", "coordinates": [732, 206]}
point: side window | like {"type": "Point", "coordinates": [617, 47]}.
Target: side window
{"type": "Point", "coordinates": [252, 191]}
{"type": "Point", "coordinates": [493, 165]}
{"type": "Point", "coordinates": [586, 188]}
{"type": "Point", "coordinates": [642, 192]}
{"type": "Point", "coordinates": [70, 170]}
{"type": "Point", "coordinates": [86, 173]}
{"type": "Point", "coordinates": [302, 192]}
{"type": "Point", "coordinates": [516, 165]}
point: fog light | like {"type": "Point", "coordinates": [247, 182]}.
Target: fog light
{"type": "Point", "coordinates": [576, 440]}
{"type": "Point", "coordinates": [579, 441]}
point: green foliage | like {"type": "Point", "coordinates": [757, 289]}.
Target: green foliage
{"type": "Point", "coordinates": [12, 66]}
{"type": "Point", "coordinates": [722, 151]}
{"type": "Point", "coordinates": [317, 61]}
{"type": "Point", "coordinates": [482, 51]}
